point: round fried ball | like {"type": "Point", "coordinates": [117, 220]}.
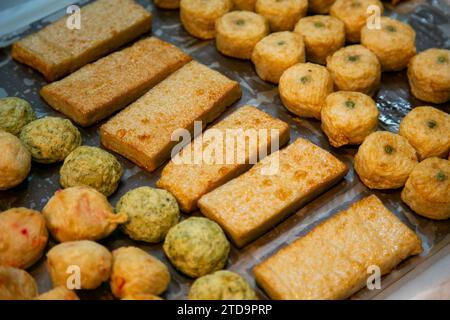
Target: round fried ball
{"type": "Point", "coordinates": [354, 15]}
{"type": "Point", "coordinates": [427, 190]}
{"type": "Point", "coordinates": [50, 139]}
{"type": "Point", "coordinates": [197, 246]}
{"type": "Point", "coordinates": [323, 36]}
{"type": "Point", "coordinates": [15, 113]}
{"type": "Point", "coordinates": [221, 285]}
{"type": "Point", "coordinates": [199, 16]}
{"type": "Point", "coordinates": [248, 5]}
{"type": "Point", "coordinates": [394, 44]}
{"type": "Point", "coordinates": [428, 131]}
{"type": "Point", "coordinates": [16, 284]}
{"type": "Point", "coordinates": [80, 213]}
{"type": "Point", "coordinates": [141, 296]}
{"type": "Point", "coordinates": [151, 213]}
{"type": "Point", "coordinates": [304, 88]}
{"type": "Point", "coordinates": [93, 167]}
{"type": "Point", "coordinates": [276, 53]}
{"type": "Point", "coordinates": [320, 6]}
{"type": "Point", "coordinates": [87, 259]}
{"type": "Point", "coordinates": [355, 68]}
{"type": "Point", "coordinates": [15, 162]}
{"type": "Point", "coordinates": [135, 272]}
{"type": "Point", "coordinates": [282, 14]}
{"type": "Point", "coordinates": [23, 237]}
{"type": "Point", "coordinates": [58, 293]}
{"type": "Point", "coordinates": [238, 32]}
{"type": "Point", "coordinates": [167, 4]}
{"type": "Point", "coordinates": [429, 75]}
{"type": "Point", "coordinates": [384, 160]}
{"type": "Point", "coordinates": [349, 117]}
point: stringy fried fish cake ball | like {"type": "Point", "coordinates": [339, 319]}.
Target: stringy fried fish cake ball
{"type": "Point", "coordinates": [238, 32]}
{"type": "Point", "coordinates": [282, 14]}
{"type": "Point", "coordinates": [354, 14]}
{"type": "Point", "coordinates": [429, 75]}
{"type": "Point", "coordinates": [427, 190]}
{"type": "Point", "coordinates": [394, 44]}
{"type": "Point", "coordinates": [320, 6]}
{"type": "Point", "coordinates": [167, 4]}
{"type": "Point", "coordinates": [323, 36]}
{"type": "Point", "coordinates": [15, 161]}
{"type": "Point", "coordinates": [428, 131]}
{"type": "Point", "coordinates": [355, 68]}
{"type": "Point", "coordinates": [304, 88]}
{"type": "Point", "coordinates": [199, 16]}
{"type": "Point", "coordinates": [276, 53]}
{"type": "Point", "coordinates": [348, 117]}
{"type": "Point", "coordinates": [16, 284]}
{"type": "Point", "coordinates": [248, 5]}
{"type": "Point", "coordinates": [384, 160]}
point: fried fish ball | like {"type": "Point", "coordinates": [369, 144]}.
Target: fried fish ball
{"type": "Point", "coordinates": [58, 293]}
{"type": "Point", "coordinates": [93, 167]}
{"type": "Point", "coordinates": [16, 284]}
{"type": "Point", "coordinates": [429, 75]}
{"type": "Point", "coordinates": [282, 14]}
{"type": "Point", "coordinates": [427, 190]}
{"type": "Point", "coordinates": [304, 88]}
{"type": "Point", "coordinates": [137, 272]}
{"type": "Point", "coordinates": [238, 32]}
{"type": "Point", "coordinates": [141, 296]}
{"type": "Point", "coordinates": [151, 212]}
{"type": "Point", "coordinates": [15, 162]}
{"type": "Point", "coordinates": [355, 68]}
{"type": "Point", "coordinates": [199, 16]}
{"type": "Point", "coordinates": [276, 53]}
{"type": "Point", "coordinates": [320, 6]}
{"type": "Point", "coordinates": [92, 260]}
{"type": "Point", "coordinates": [221, 285]}
{"type": "Point", "coordinates": [50, 139]}
{"type": "Point", "coordinates": [348, 117]}
{"type": "Point", "coordinates": [323, 36]}
{"type": "Point", "coordinates": [384, 160]}
{"type": "Point", "coordinates": [248, 5]}
{"type": "Point", "coordinates": [428, 131]}
{"type": "Point", "coordinates": [394, 44]}
{"type": "Point", "coordinates": [80, 213]}
{"type": "Point", "coordinates": [23, 237]}
{"type": "Point", "coordinates": [354, 15]}
{"type": "Point", "coordinates": [197, 246]}
{"type": "Point", "coordinates": [15, 113]}
{"type": "Point", "coordinates": [167, 4]}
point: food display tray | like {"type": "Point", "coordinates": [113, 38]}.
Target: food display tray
{"type": "Point", "coordinates": [430, 19]}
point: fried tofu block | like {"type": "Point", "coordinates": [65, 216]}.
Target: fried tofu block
{"type": "Point", "coordinates": [331, 261]}
{"type": "Point", "coordinates": [189, 180]}
{"type": "Point", "coordinates": [254, 202]}
{"type": "Point", "coordinates": [57, 50]}
{"type": "Point", "coordinates": [142, 132]}
{"type": "Point", "coordinates": [98, 90]}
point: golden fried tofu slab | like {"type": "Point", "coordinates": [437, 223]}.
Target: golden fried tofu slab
{"type": "Point", "coordinates": [99, 89]}
{"type": "Point", "coordinates": [241, 137]}
{"type": "Point", "coordinates": [254, 202]}
{"type": "Point", "coordinates": [143, 131]}
{"type": "Point", "coordinates": [58, 50]}
{"type": "Point", "coordinates": [332, 261]}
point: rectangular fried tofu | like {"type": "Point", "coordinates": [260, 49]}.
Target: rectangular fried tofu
{"type": "Point", "coordinates": [332, 260]}
{"type": "Point", "coordinates": [251, 204]}
{"type": "Point", "coordinates": [99, 89]}
{"type": "Point", "coordinates": [142, 132]}
{"type": "Point", "coordinates": [190, 180]}
{"type": "Point", "coordinates": [57, 50]}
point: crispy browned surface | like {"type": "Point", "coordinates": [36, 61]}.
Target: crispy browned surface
{"type": "Point", "coordinates": [189, 181]}
{"type": "Point", "coordinates": [105, 25]}
{"type": "Point", "coordinates": [97, 90]}
{"type": "Point", "coordinates": [142, 132]}
{"type": "Point", "coordinates": [331, 261]}
{"type": "Point", "coordinates": [249, 205]}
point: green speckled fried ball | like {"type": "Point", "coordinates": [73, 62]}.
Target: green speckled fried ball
{"type": "Point", "coordinates": [151, 212]}
{"type": "Point", "coordinates": [15, 113]}
{"type": "Point", "coordinates": [221, 285]}
{"type": "Point", "coordinates": [50, 139]}
{"type": "Point", "coordinates": [197, 246]}
{"type": "Point", "coordinates": [93, 167]}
